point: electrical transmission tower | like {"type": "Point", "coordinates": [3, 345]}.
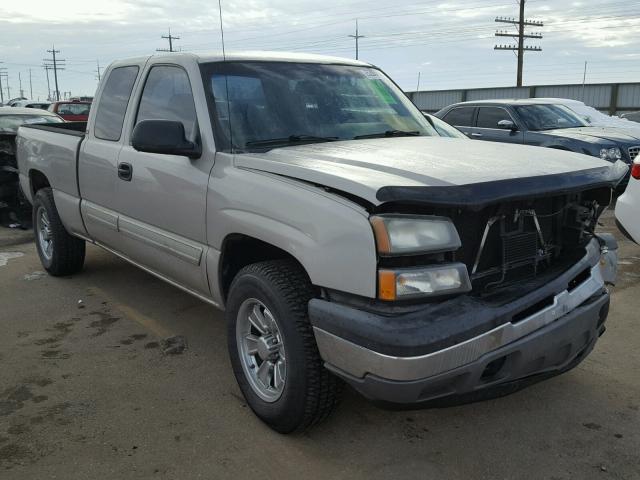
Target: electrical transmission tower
{"type": "Point", "coordinates": [521, 35]}
{"type": "Point", "coordinates": [171, 38]}
{"type": "Point", "coordinates": [356, 37]}
{"type": "Point", "coordinates": [56, 64]}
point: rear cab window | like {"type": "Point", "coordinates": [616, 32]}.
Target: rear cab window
{"type": "Point", "coordinates": [112, 106]}
{"type": "Point", "coordinates": [460, 117]}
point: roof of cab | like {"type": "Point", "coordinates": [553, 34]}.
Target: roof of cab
{"type": "Point", "coordinates": [256, 56]}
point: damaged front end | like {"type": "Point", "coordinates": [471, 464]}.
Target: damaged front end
{"type": "Point", "coordinates": [15, 210]}
{"type": "Point", "coordinates": [515, 230]}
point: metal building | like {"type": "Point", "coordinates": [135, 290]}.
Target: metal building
{"type": "Point", "coordinates": [611, 98]}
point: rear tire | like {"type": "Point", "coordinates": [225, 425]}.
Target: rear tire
{"type": "Point", "coordinates": [60, 253]}
{"type": "Point", "coordinates": [279, 370]}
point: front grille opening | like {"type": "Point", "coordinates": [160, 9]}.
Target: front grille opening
{"type": "Point", "coordinates": [533, 309]}
{"type": "Point", "coordinates": [579, 279]}
{"type": "Point", "coordinates": [492, 369]}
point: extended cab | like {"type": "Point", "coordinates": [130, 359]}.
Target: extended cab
{"type": "Point", "coordinates": [346, 241]}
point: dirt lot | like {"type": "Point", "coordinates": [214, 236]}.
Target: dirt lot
{"type": "Point", "coordinates": [85, 393]}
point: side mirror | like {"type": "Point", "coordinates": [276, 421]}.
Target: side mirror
{"type": "Point", "coordinates": [507, 125]}
{"type": "Point", "coordinates": [165, 137]}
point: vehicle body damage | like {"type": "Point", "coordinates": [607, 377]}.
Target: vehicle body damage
{"type": "Point", "coordinates": [342, 228]}
{"type": "Point", "coordinates": [14, 208]}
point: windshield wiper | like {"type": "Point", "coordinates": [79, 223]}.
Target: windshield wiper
{"type": "Point", "coordinates": [291, 139]}
{"type": "Point", "coordinates": [389, 133]}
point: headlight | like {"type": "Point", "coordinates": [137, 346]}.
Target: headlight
{"type": "Point", "coordinates": [612, 154]}
{"type": "Point", "coordinates": [411, 234]}
{"type": "Point", "coordinates": [423, 282]}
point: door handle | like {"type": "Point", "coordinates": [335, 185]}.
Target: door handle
{"type": "Point", "coordinates": [477, 135]}
{"type": "Point", "coordinates": [125, 171]}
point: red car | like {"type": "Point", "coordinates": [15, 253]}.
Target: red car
{"type": "Point", "coordinates": [71, 111]}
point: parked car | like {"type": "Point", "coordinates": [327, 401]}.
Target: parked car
{"type": "Point", "coordinates": [344, 238]}
{"type": "Point", "coordinates": [540, 123]}
{"type": "Point", "coordinates": [31, 104]}
{"type": "Point", "coordinates": [11, 101]}
{"type": "Point", "coordinates": [13, 206]}
{"type": "Point", "coordinates": [632, 116]}
{"type": "Point", "coordinates": [71, 111]}
{"type": "Point", "coordinates": [628, 206]}
{"type": "Point", "coordinates": [595, 118]}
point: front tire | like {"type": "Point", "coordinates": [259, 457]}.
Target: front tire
{"type": "Point", "coordinates": [272, 347]}
{"type": "Point", "coordinates": [60, 253]}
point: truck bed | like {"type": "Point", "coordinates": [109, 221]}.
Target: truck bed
{"type": "Point", "coordinates": [77, 129]}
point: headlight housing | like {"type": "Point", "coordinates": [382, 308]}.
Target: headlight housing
{"type": "Point", "coordinates": [404, 284]}
{"type": "Point", "coordinates": [612, 154]}
{"type": "Point", "coordinates": [414, 234]}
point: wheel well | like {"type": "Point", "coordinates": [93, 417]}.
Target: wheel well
{"type": "Point", "coordinates": [38, 181]}
{"type": "Point", "coordinates": [238, 251]}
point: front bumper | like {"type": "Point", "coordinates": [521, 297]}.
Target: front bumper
{"type": "Point", "coordinates": [470, 347]}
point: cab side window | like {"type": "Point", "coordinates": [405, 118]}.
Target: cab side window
{"type": "Point", "coordinates": [113, 103]}
{"type": "Point", "coordinates": [460, 117]}
{"type": "Point", "coordinates": [167, 96]}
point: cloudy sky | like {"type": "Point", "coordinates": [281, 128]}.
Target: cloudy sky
{"type": "Point", "coordinates": [449, 42]}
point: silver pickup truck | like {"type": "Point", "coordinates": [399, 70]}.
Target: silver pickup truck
{"type": "Point", "coordinates": [344, 238]}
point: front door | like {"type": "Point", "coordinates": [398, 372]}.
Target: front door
{"type": "Point", "coordinates": [493, 124]}
{"type": "Point", "coordinates": [162, 198]}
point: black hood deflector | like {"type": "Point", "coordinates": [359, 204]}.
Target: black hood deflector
{"type": "Point", "coordinates": [476, 196]}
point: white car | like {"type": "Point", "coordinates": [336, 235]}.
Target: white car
{"type": "Point", "coordinates": [627, 207]}
{"type": "Point", "coordinates": [596, 118]}
{"type": "Point", "coordinates": [31, 104]}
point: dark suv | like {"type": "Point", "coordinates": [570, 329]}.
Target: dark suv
{"type": "Point", "coordinates": [539, 123]}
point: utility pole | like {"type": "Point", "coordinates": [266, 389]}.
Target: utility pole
{"type": "Point", "coordinates": [584, 79]}
{"type": "Point", "coordinates": [46, 67]}
{"type": "Point", "coordinates": [171, 38]}
{"type": "Point", "coordinates": [521, 48]}
{"type": "Point", "coordinates": [30, 85]}
{"type": "Point", "coordinates": [2, 74]}
{"type": "Point", "coordinates": [418, 87]}
{"type": "Point", "coordinates": [98, 70]}
{"type": "Point", "coordinates": [20, 83]}
{"type": "Point", "coordinates": [356, 37]}
{"type": "Point", "coordinates": [55, 63]}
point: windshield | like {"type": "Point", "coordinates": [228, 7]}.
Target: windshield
{"type": "Point", "coordinates": [273, 104]}
{"type": "Point", "coordinates": [10, 123]}
{"type": "Point", "coordinates": [548, 117]}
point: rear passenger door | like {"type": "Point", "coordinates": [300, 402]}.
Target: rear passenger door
{"type": "Point", "coordinates": [162, 201]}
{"type": "Point", "coordinates": [491, 125]}
{"type": "Point", "coordinates": [463, 118]}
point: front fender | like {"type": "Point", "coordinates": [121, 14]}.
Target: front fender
{"type": "Point", "coordinates": [329, 236]}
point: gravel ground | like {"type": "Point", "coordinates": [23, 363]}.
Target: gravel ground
{"type": "Point", "coordinates": [85, 393]}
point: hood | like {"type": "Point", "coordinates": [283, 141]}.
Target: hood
{"type": "Point", "coordinates": [593, 134]}
{"type": "Point", "coordinates": [434, 170]}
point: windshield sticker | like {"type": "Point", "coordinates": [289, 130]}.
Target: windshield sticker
{"type": "Point", "coordinates": [371, 73]}
{"type": "Point", "coordinates": [382, 91]}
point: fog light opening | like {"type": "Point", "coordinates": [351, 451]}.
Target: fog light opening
{"type": "Point", "coordinates": [492, 369]}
